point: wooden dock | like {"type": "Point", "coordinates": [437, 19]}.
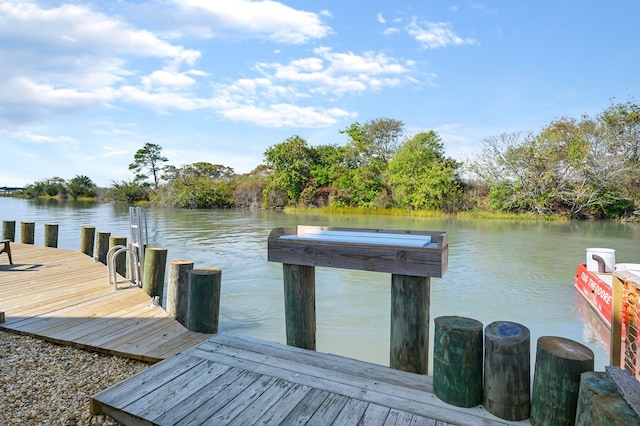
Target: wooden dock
{"type": "Point", "coordinates": [64, 297]}
{"type": "Point", "coordinates": [236, 380]}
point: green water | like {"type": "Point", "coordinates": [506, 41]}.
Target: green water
{"type": "Point", "coordinates": [498, 270]}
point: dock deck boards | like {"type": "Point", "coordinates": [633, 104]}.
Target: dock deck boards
{"type": "Point", "coordinates": [64, 297]}
{"type": "Point", "coordinates": [238, 380]}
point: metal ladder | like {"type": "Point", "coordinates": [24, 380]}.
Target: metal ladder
{"type": "Point", "coordinates": [138, 234]}
{"type": "Point", "coordinates": [135, 254]}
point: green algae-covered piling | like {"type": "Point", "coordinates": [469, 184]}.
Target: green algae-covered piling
{"type": "Point", "coordinates": [612, 410]}
{"type": "Point", "coordinates": [204, 300]}
{"type": "Point", "coordinates": [507, 370]}
{"type": "Point", "coordinates": [592, 383]}
{"type": "Point", "coordinates": [556, 380]}
{"type": "Point", "coordinates": [457, 361]}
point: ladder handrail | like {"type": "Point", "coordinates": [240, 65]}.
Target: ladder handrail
{"type": "Point", "coordinates": [138, 230]}
{"type": "Point", "coordinates": [132, 261]}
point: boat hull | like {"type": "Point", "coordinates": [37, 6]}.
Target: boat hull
{"type": "Point", "coordinates": [596, 289]}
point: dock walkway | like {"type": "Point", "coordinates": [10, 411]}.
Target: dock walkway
{"type": "Point", "coordinates": [237, 380]}
{"type": "Point", "coordinates": [64, 297]}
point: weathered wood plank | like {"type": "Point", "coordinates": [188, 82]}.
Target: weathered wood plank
{"type": "Point", "coordinates": [209, 399]}
{"type": "Point", "coordinates": [305, 408]}
{"type": "Point", "coordinates": [328, 410]}
{"type": "Point", "coordinates": [343, 382]}
{"type": "Point", "coordinates": [260, 387]}
{"type": "Point", "coordinates": [174, 392]}
{"type": "Point", "coordinates": [276, 392]}
{"type": "Point", "coordinates": [352, 412]}
{"type": "Point", "coordinates": [328, 361]}
{"type": "Point", "coordinates": [628, 386]}
{"type": "Point", "coordinates": [146, 381]}
{"type": "Point", "coordinates": [375, 415]}
{"type": "Point", "coordinates": [245, 398]}
{"type": "Point", "coordinates": [428, 261]}
{"type": "Point", "coordinates": [276, 414]}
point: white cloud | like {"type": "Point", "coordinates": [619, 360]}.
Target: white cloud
{"type": "Point", "coordinates": [70, 58]}
{"type": "Point", "coordinates": [71, 29]}
{"type": "Point", "coordinates": [340, 73]}
{"type": "Point", "coordinates": [265, 18]}
{"type": "Point", "coordinates": [162, 101]}
{"type": "Point", "coordinates": [267, 100]}
{"type": "Point", "coordinates": [168, 79]}
{"type": "Point", "coordinates": [286, 115]}
{"type": "Point", "coordinates": [30, 137]}
{"type": "Point", "coordinates": [109, 151]}
{"type": "Point", "coordinates": [381, 18]}
{"type": "Point", "coordinates": [434, 35]}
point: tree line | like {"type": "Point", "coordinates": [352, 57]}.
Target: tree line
{"type": "Point", "coordinates": [579, 168]}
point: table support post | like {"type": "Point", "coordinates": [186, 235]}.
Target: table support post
{"type": "Point", "coordinates": [409, 346]}
{"type": "Point", "coordinates": [300, 305]}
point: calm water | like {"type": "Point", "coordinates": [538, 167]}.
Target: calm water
{"type": "Point", "coordinates": [498, 270]}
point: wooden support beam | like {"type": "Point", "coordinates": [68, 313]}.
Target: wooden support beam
{"type": "Point", "coordinates": [300, 305]}
{"type": "Point", "coordinates": [409, 342]}
{"type": "Point", "coordinates": [27, 232]}
{"type": "Point", "coordinates": [51, 235]}
{"type": "Point", "coordinates": [87, 238]}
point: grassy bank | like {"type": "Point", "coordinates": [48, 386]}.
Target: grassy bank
{"type": "Point", "coordinates": [427, 213]}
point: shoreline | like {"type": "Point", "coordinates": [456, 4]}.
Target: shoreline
{"type": "Point", "coordinates": [51, 384]}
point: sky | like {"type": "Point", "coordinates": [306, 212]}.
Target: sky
{"type": "Point", "coordinates": [85, 84]}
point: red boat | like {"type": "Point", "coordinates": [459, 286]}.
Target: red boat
{"type": "Point", "coordinates": [594, 280]}
{"type": "Point", "coordinates": [596, 287]}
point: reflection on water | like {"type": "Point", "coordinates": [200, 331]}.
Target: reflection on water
{"type": "Point", "coordinates": [498, 270]}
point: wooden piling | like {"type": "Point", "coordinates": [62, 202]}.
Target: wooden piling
{"type": "Point", "coordinates": [409, 339]}
{"type": "Point", "coordinates": [27, 232]}
{"type": "Point", "coordinates": [592, 383]}
{"type": "Point", "coordinates": [178, 290]}
{"type": "Point", "coordinates": [121, 260]}
{"type": "Point", "coordinates": [102, 246]}
{"type": "Point", "coordinates": [556, 380]}
{"type": "Point", "coordinates": [507, 370]}
{"type": "Point", "coordinates": [300, 305]}
{"type": "Point", "coordinates": [457, 361]}
{"type": "Point", "coordinates": [155, 261]}
{"type": "Point", "coordinates": [9, 230]}
{"type": "Point", "coordinates": [204, 300]}
{"type": "Point", "coordinates": [87, 238]}
{"type": "Point", "coordinates": [51, 235]}
{"type": "Point", "coordinates": [612, 410]}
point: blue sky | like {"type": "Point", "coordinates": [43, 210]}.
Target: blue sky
{"type": "Point", "coordinates": [84, 85]}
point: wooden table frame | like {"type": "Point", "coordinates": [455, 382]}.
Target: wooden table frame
{"type": "Point", "coordinates": [412, 257]}
{"type": "Point", "coordinates": [6, 248]}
